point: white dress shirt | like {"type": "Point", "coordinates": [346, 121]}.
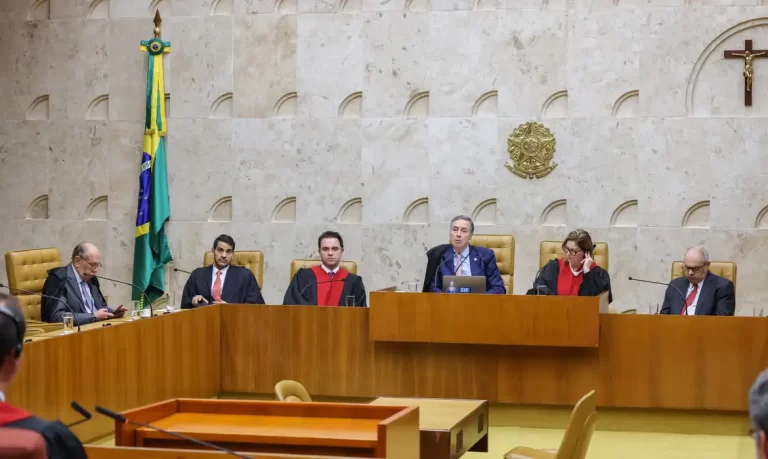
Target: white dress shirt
{"type": "Point", "coordinates": [85, 292]}
{"type": "Point", "coordinates": [334, 271]}
{"type": "Point", "coordinates": [692, 307]}
{"type": "Point", "coordinates": [466, 270]}
{"type": "Point", "coordinates": [2, 396]}
{"type": "Point", "coordinates": [223, 275]}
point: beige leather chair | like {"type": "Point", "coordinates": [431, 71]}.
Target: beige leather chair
{"type": "Point", "coordinates": [291, 391]}
{"type": "Point", "coordinates": [576, 439]}
{"type": "Point", "coordinates": [725, 269]}
{"type": "Point", "coordinates": [253, 260]}
{"type": "Point", "coordinates": [503, 246]}
{"type": "Point", "coordinates": [551, 250]}
{"type": "Point", "coordinates": [28, 270]}
{"type": "Point", "coordinates": [350, 266]}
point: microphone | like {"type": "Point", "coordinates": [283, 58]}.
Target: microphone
{"type": "Point", "coordinates": [149, 303]}
{"type": "Point", "coordinates": [181, 270]}
{"type": "Point", "coordinates": [668, 285]}
{"type": "Point", "coordinates": [301, 293]}
{"type": "Point", "coordinates": [77, 322]}
{"type": "Point", "coordinates": [455, 270]}
{"type": "Point", "coordinates": [123, 420]}
{"type": "Point", "coordinates": [83, 412]}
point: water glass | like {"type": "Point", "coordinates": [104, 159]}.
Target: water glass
{"type": "Point", "coordinates": [68, 319]}
{"type": "Point", "coordinates": [413, 287]}
{"type": "Point", "coordinates": [349, 300]}
{"type": "Point", "coordinates": [653, 308]}
{"type": "Point", "coordinates": [135, 312]}
{"type": "Point", "coordinates": [169, 302]}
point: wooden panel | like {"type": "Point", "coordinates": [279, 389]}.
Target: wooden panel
{"type": "Point", "coordinates": [108, 452]}
{"type": "Point", "coordinates": [568, 321]}
{"type": "Point", "coordinates": [121, 366]}
{"type": "Point", "coordinates": [399, 435]}
{"type": "Point", "coordinates": [643, 361]}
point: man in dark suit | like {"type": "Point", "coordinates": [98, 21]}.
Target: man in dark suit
{"type": "Point", "coordinates": [221, 282]}
{"type": "Point", "coordinates": [59, 441]}
{"type": "Point", "coordinates": [706, 294]}
{"type": "Point", "coordinates": [464, 260]}
{"type": "Point", "coordinates": [758, 413]}
{"type": "Point", "coordinates": [77, 285]}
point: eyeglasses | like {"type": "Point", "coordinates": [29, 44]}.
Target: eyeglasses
{"type": "Point", "coordinates": [694, 268]}
{"type": "Point", "coordinates": [94, 266]}
{"type": "Point", "coordinates": [572, 251]}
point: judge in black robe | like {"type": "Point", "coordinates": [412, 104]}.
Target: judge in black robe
{"type": "Point", "coordinates": [327, 284]}
{"type": "Point", "coordinates": [60, 442]}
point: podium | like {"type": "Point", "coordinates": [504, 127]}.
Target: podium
{"type": "Point", "coordinates": [519, 320]}
{"type": "Point", "coordinates": [311, 429]}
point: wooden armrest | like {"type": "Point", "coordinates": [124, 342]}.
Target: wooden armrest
{"type": "Point", "coordinates": [524, 452]}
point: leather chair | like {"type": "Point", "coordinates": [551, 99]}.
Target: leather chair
{"type": "Point", "coordinates": [551, 250]}
{"type": "Point", "coordinates": [28, 270]}
{"type": "Point", "coordinates": [350, 266]}
{"type": "Point", "coordinates": [21, 444]}
{"type": "Point", "coordinates": [291, 391]}
{"type": "Point", "coordinates": [503, 246]}
{"type": "Point", "coordinates": [725, 269]}
{"type": "Point", "coordinates": [577, 437]}
{"type": "Point", "coordinates": [253, 260]}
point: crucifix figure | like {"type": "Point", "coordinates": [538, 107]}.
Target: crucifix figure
{"type": "Point", "coordinates": [748, 54]}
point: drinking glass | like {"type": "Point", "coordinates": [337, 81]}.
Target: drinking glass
{"type": "Point", "coordinates": [413, 287]}
{"type": "Point", "coordinates": [169, 302]}
{"type": "Point", "coordinates": [68, 319]}
{"type": "Point", "coordinates": [135, 313]}
{"type": "Point", "coordinates": [349, 300]}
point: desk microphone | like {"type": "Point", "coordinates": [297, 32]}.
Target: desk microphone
{"type": "Point", "coordinates": [455, 270]}
{"type": "Point", "coordinates": [83, 412]}
{"type": "Point", "coordinates": [149, 303]}
{"type": "Point", "coordinates": [77, 322]}
{"type": "Point", "coordinates": [181, 270]}
{"type": "Point", "coordinates": [301, 293]}
{"type": "Point", "coordinates": [668, 285]}
{"type": "Point", "coordinates": [123, 420]}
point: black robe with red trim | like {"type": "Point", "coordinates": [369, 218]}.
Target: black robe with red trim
{"type": "Point", "coordinates": [60, 441]}
{"type": "Point", "coordinates": [302, 290]}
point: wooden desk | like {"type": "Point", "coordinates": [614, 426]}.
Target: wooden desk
{"type": "Point", "coordinates": [331, 429]}
{"type": "Point", "coordinates": [519, 320]}
{"type": "Point", "coordinates": [449, 428]}
{"type": "Point", "coordinates": [110, 452]}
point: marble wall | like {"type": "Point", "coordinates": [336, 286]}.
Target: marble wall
{"type": "Point", "coordinates": [383, 120]}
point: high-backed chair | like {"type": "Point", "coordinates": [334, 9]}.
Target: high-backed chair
{"type": "Point", "coordinates": [21, 444]}
{"type": "Point", "coordinates": [253, 260]}
{"type": "Point", "coordinates": [725, 269]}
{"type": "Point", "coordinates": [291, 391]}
{"type": "Point", "coordinates": [551, 250]}
{"type": "Point", "coordinates": [503, 246]}
{"type": "Point", "coordinates": [576, 439]}
{"type": "Point", "coordinates": [297, 264]}
{"type": "Point", "coordinates": [28, 270]}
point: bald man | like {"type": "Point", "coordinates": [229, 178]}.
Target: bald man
{"type": "Point", "coordinates": [77, 285]}
{"type": "Point", "coordinates": [706, 294]}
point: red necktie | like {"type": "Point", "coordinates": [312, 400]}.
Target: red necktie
{"type": "Point", "coordinates": [691, 297]}
{"type": "Point", "coordinates": [217, 287]}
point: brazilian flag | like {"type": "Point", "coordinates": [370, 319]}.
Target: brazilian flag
{"type": "Point", "coordinates": [151, 252]}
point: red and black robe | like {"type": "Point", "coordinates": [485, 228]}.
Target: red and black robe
{"type": "Point", "coordinates": [59, 441]}
{"type": "Point", "coordinates": [556, 278]}
{"type": "Point", "coordinates": [314, 286]}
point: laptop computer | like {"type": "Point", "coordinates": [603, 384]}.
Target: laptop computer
{"type": "Point", "coordinates": [465, 284]}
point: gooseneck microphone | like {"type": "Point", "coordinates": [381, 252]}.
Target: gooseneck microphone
{"type": "Point", "coordinates": [83, 412]}
{"type": "Point", "coordinates": [149, 303]}
{"type": "Point", "coordinates": [301, 293]}
{"type": "Point", "coordinates": [77, 322]}
{"type": "Point", "coordinates": [685, 309]}
{"type": "Point", "coordinates": [123, 420]}
{"type": "Point", "coordinates": [455, 270]}
{"type": "Point", "coordinates": [181, 270]}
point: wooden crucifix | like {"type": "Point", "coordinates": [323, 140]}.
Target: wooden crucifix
{"type": "Point", "coordinates": [747, 54]}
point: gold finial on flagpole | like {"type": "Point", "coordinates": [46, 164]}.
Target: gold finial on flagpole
{"type": "Point", "coordinates": [158, 20]}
